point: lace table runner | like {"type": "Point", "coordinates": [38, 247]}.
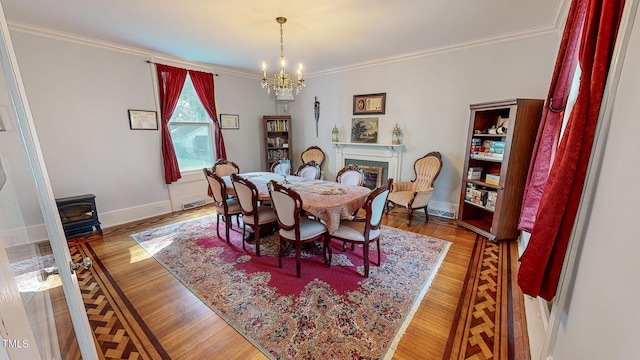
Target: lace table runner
{"type": "Point", "coordinates": [317, 189]}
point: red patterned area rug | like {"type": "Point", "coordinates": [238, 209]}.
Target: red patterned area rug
{"type": "Point", "coordinates": [327, 313]}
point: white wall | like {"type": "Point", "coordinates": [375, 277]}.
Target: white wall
{"type": "Point", "coordinates": [601, 321]}
{"type": "Point", "coordinates": [429, 98]}
{"type": "Point", "coordinates": [20, 213]}
{"type": "Point", "coordinates": [79, 96]}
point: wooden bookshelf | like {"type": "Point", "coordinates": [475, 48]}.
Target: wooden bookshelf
{"type": "Point", "coordinates": [509, 160]}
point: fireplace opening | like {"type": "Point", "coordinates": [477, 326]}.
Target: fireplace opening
{"type": "Point", "coordinates": [375, 172]}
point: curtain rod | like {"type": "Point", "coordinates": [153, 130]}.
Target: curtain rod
{"type": "Point", "coordinates": [151, 62]}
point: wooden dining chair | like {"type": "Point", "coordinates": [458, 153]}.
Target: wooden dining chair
{"type": "Point", "coordinates": [225, 207]}
{"type": "Point", "coordinates": [352, 175]}
{"type": "Point", "coordinates": [363, 231]}
{"type": "Point", "coordinates": [294, 227]}
{"type": "Point", "coordinates": [224, 167]}
{"type": "Point", "coordinates": [310, 170]}
{"type": "Point", "coordinates": [252, 214]}
{"type": "Point", "coordinates": [275, 167]}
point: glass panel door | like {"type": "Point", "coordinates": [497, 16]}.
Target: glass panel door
{"type": "Point", "coordinates": [36, 260]}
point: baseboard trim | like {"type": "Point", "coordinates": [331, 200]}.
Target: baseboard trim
{"type": "Point", "coordinates": [127, 215]}
{"type": "Point", "coordinates": [537, 322]}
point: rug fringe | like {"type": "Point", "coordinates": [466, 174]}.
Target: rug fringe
{"type": "Point", "coordinates": [393, 344]}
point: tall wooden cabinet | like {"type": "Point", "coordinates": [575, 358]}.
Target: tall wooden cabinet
{"type": "Point", "coordinates": [277, 138]}
{"type": "Point", "coordinates": [498, 152]}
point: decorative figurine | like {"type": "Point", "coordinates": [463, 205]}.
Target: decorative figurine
{"type": "Point", "coordinates": [334, 134]}
{"type": "Point", "coordinates": [395, 135]}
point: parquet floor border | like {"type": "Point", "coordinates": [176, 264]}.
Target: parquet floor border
{"type": "Point", "coordinates": [117, 331]}
{"type": "Point", "coordinates": [490, 310]}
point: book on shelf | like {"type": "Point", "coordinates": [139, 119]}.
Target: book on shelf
{"type": "Point", "coordinates": [483, 155]}
{"type": "Point", "coordinates": [278, 125]}
{"type": "Point", "coordinates": [475, 195]}
{"type": "Point", "coordinates": [474, 173]}
{"type": "Point", "coordinates": [492, 197]}
{"type": "Point", "coordinates": [487, 149]}
{"type": "Point", "coordinates": [492, 179]}
{"type": "Point", "coordinates": [277, 154]}
{"type": "Point", "coordinates": [278, 142]}
{"type": "Point", "coordinates": [481, 196]}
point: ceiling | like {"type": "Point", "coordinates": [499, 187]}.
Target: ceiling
{"type": "Point", "coordinates": [322, 35]}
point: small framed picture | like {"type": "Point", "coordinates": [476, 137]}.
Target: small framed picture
{"type": "Point", "coordinates": [229, 121]}
{"type": "Point", "coordinates": [369, 104]}
{"type": "Point", "coordinates": [143, 120]}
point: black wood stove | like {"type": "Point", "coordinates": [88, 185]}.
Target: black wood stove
{"type": "Point", "coordinates": [79, 215]}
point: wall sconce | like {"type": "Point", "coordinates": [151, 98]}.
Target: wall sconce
{"type": "Point", "coordinates": [334, 134]}
{"type": "Point", "coordinates": [395, 135]}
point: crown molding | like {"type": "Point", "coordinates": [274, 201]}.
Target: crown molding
{"type": "Point", "coordinates": [514, 36]}
{"type": "Point", "coordinates": [148, 55]}
{"type": "Point", "coordinates": [555, 27]}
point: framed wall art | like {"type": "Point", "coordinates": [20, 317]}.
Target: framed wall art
{"type": "Point", "coordinates": [364, 130]}
{"type": "Point", "coordinates": [369, 104]}
{"type": "Point", "coordinates": [229, 121]}
{"type": "Point", "coordinates": [143, 120]}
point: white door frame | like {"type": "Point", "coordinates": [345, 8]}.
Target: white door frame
{"type": "Point", "coordinates": [46, 199]}
{"type": "Point", "coordinates": [568, 275]}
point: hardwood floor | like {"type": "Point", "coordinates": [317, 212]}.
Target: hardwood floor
{"type": "Point", "coordinates": [174, 320]}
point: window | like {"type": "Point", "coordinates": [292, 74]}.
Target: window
{"type": "Point", "coordinates": [191, 131]}
{"type": "Point", "coordinates": [571, 99]}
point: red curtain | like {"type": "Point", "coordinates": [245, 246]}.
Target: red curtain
{"type": "Point", "coordinates": [542, 260]}
{"type": "Point", "coordinates": [203, 83]}
{"type": "Point", "coordinates": [549, 130]}
{"type": "Point", "coordinates": [170, 83]}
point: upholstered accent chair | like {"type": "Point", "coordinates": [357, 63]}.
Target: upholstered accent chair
{"type": "Point", "coordinates": [224, 167]}
{"type": "Point", "coordinates": [252, 214]}
{"type": "Point", "coordinates": [415, 194]}
{"type": "Point", "coordinates": [352, 175]}
{"type": "Point", "coordinates": [313, 153]}
{"type": "Point", "coordinates": [363, 231]}
{"type": "Point", "coordinates": [275, 167]}
{"type": "Point", "coordinates": [310, 170]}
{"type": "Point", "coordinates": [295, 228]}
{"type": "Point", "coordinates": [225, 207]}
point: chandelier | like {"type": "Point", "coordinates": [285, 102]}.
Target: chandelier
{"type": "Point", "coordinates": [282, 83]}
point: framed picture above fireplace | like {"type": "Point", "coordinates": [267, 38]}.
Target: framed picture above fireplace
{"type": "Point", "coordinates": [364, 130]}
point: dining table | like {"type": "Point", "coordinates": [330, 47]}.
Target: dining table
{"type": "Point", "coordinates": [326, 200]}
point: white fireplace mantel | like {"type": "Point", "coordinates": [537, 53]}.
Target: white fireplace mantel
{"type": "Point", "coordinates": [388, 153]}
{"type": "Point", "coordinates": [391, 147]}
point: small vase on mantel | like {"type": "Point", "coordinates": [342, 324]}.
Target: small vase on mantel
{"type": "Point", "coordinates": [395, 135]}
{"type": "Point", "coordinates": [334, 134]}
